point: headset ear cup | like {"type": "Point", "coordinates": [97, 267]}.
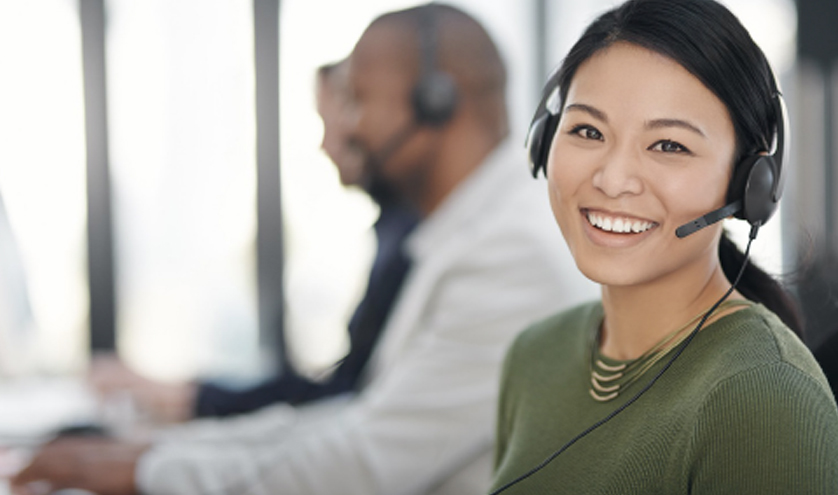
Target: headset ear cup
{"type": "Point", "coordinates": [736, 190]}
{"type": "Point", "coordinates": [758, 198]}
{"type": "Point", "coordinates": [753, 183]}
{"type": "Point", "coordinates": [434, 99]}
{"type": "Point", "coordinates": [758, 179]}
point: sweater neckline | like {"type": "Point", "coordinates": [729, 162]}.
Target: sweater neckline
{"type": "Point", "coordinates": [610, 377]}
{"type": "Point", "coordinates": [599, 316]}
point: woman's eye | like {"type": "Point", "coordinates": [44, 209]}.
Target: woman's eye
{"type": "Point", "coordinates": [586, 132]}
{"type": "Point", "coordinates": [667, 146]}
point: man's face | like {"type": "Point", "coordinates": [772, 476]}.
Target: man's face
{"type": "Point", "coordinates": [334, 107]}
{"type": "Point", "coordinates": [382, 72]}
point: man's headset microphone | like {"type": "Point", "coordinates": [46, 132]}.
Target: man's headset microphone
{"type": "Point", "coordinates": [433, 98]}
{"type": "Point", "coordinates": [753, 194]}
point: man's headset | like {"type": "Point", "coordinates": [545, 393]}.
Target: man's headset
{"type": "Point", "coordinates": [434, 96]}
{"type": "Point", "coordinates": [754, 190]}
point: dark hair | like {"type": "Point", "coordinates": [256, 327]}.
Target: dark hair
{"type": "Point", "coordinates": [710, 42]}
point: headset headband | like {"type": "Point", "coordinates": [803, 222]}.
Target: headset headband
{"type": "Point", "coordinates": [434, 96]}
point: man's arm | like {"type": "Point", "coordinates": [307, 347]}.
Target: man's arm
{"type": "Point", "coordinates": [429, 413]}
{"type": "Point", "coordinates": [100, 465]}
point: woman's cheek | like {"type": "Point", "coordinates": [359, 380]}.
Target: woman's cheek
{"type": "Point", "coordinates": [560, 185]}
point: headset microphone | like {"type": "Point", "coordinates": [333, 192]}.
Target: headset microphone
{"type": "Point", "coordinates": [756, 186]}
{"type": "Point", "coordinates": [708, 219]}
{"type": "Point", "coordinates": [377, 159]}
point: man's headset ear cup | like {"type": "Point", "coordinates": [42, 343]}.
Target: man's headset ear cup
{"type": "Point", "coordinates": [539, 140]}
{"type": "Point", "coordinates": [434, 98]}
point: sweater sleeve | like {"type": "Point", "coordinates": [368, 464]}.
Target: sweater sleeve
{"type": "Point", "coordinates": [504, 419]}
{"type": "Point", "coordinates": [768, 430]}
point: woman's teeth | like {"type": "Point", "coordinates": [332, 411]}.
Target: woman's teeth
{"type": "Point", "coordinates": [618, 224]}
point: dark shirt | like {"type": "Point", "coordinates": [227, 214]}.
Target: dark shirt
{"type": "Point", "coordinates": [386, 276]}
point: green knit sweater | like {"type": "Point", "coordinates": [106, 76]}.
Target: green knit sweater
{"type": "Point", "coordinates": [744, 410]}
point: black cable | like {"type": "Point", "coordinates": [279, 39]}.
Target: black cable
{"type": "Point", "coordinates": [654, 379]}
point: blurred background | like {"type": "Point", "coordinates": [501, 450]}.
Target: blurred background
{"type": "Point", "coordinates": [164, 194]}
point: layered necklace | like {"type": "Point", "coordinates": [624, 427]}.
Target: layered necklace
{"type": "Point", "coordinates": [607, 381]}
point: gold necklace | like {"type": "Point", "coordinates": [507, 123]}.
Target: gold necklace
{"type": "Point", "coordinates": [608, 381]}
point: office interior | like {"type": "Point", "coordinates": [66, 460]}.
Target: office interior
{"type": "Point", "coordinates": [165, 196]}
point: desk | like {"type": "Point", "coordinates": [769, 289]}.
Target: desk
{"type": "Point", "coordinates": [32, 409]}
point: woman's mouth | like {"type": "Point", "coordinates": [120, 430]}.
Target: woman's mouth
{"type": "Point", "coordinates": [618, 224]}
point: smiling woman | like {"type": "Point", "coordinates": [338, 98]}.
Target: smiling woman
{"type": "Point", "coordinates": [681, 379]}
{"type": "Point", "coordinates": [641, 142]}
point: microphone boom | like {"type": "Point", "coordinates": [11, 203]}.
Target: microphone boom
{"type": "Point", "coordinates": [708, 219]}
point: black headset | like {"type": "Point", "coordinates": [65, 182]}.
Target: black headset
{"type": "Point", "coordinates": [434, 96]}
{"type": "Point", "coordinates": [754, 190]}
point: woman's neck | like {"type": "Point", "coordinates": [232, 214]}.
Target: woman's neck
{"type": "Point", "coordinates": [637, 317]}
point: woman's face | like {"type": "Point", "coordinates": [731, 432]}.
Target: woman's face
{"type": "Point", "coordinates": [642, 147]}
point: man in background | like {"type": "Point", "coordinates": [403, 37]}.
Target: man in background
{"type": "Point", "coordinates": [486, 260]}
{"type": "Point", "coordinates": [173, 402]}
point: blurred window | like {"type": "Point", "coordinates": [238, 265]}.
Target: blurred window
{"type": "Point", "coordinates": [42, 177]}
{"type": "Point", "coordinates": [182, 134]}
{"type": "Point", "coordinates": [181, 95]}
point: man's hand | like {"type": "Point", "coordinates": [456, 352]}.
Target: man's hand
{"type": "Point", "coordinates": [99, 465]}
{"type": "Point", "coordinates": [164, 402]}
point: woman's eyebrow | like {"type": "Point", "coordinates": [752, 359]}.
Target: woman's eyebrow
{"type": "Point", "coordinates": [594, 112]}
{"type": "Point", "coordinates": [683, 124]}
{"type": "Point", "coordinates": [651, 124]}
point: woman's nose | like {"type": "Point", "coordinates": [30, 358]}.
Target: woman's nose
{"type": "Point", "coordinates": [619, 174]}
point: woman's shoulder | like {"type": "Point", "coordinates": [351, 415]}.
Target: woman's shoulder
{"type": "Point", "coordinates": [763, 413]}
{"type": "Point", "coordinates": [755, 337]}
{"type": "Point", "coordinates": [773, 425]}
{"type": "Point", "coordinates": [753, 352]}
